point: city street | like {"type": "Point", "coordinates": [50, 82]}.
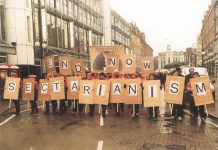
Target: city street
{"type": "Point", "coordinates": [67, 132]}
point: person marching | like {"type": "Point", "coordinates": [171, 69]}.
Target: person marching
{"type": "Point", "coordinates": [34, 107]}
{"type": "Point", "coordinates": [91, 106]}
{"type": "Point", "coordinates": [63, 106]}
{"type": "Point", "coordinates": [150, 109]}
{"type": "Point", "coordinates": [47, 107]}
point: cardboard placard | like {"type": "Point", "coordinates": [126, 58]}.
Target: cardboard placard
{"type": "Point", "coordinates": [112, 62]}
{"type": "Point", "coordinates": [43, 91]}
{"type": "Point", "coordinates": [78, 68]}
{"type": "Point", "coordinates": [201, 91]}
{"type": "Point", "coordinates": [101, 92]}
{"type": "Point", "coordinates": [128, 63]}
{"type": "Point", "coordinates": [28, 89]}
{"type": "Point", "coordinates": [57, 90]}
{"type": "Point", "coordinates": [50, 64]}
{"type": "Point", "coordinates": [133, 91]}
{"type": "Point", "coordinates": [152, 93]}
{"type": "Point", "coordinates": [11, 90]}
{"type": "Point", "coordinates": [117, 90]}
{"type": "Point", "coordinates": [174, 89]}
{"type": "Point", "coordinates": [65, 65]}
{"type": "Point", "coordinates": [97, 56]}
{"type": "Point", "coordinates": [73, 84]}
{"type": "Point", "coordinates": [86, 91]}
{"type": "Point", "coordinates": [147, 65]}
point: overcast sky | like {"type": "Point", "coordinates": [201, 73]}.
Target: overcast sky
{"type": "Point", "coordinates": [174, 22]}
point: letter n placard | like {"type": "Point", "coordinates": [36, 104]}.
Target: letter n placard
{"type": "Point", "coordinates": [73, 84]}
{"type": "Point", "coordinates": [56, 86]}
{"type": "Point", "coordinates": [174, 89]}
{"type": "Point", "coordinates": [43, 91]}
{"type": "Point", "coordinates": [201, 91]}
{"type": "Point", "coordinates": [101, 92]}
{"type": "Point", "coordinates": [133, 91]}
{"type": "Point", "coordinates": [11, 88]}
{"type": "Point", "coordinates": [152, 93]}
{"type": "Point", "coordinates": [117, 90]}
{"type": "Point", "coordinates": [86, 91]}
{"type": "Point", "coordinates": [65, 65]}
{"type": "Point", "coordinates": [28, 89]}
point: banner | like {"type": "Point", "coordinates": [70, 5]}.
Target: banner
{"type": "Point", "coordinates": [73, 84]}
{"type": "Point", "coordinates": [28, 89]}
{"type": "Point", "coordinates": [174, 89]}
{"type": "Point", "coordinates": [86, 92]}
{"type": "Point", "coordinates": [78, 68]}
{"type": "Point", "coordinates": [112, 62]}
{"type": "Point", "coordinates": [133, 91]}
{"type": "Point", "coordinates": [65, 65]}
{"type": "Point", "coordinates": [97, 56]}
{"type": "Point", "coordinates": [43, 91]}
{"type": "Point", "coordinates": [101, 92]}
{"type": "Point", "coordinates": [201, 91]}
{"type": "Point", "coordinates": [128, 63]}
{"type": "Point", "coordinates": [50, 64]}
{"type": "Point", "coordinates": [12, 86]}
{"type": "Point", "coordinates": [152, 93]}
{"type": "Point", "coordinates": [117, 90]}
{"type": "Point", "coordinates": [147, 65]}
{"type": "Point", "coordinates": [56, 86]}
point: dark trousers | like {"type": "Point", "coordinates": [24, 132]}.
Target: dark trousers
{"type": "Point", "coordinates": [17, 106]}
{"type": "Point", "coordinates": [91, 109]}
{"type": "Point", "coordinates": [54, 105]}
{"type": "Point", "coordinates": [63, 106]}
{"type": "Point", "coordinates": [34, 106]}
{"type": "Point", "coordinates": [199, 110]}
{"type": "Point", "coordinates": [47, 107]}
{"type": "Point", "coordinates": [177, 110]}
{"type": "Point", "coordinates": [153, 113]}
{"type": "Point", "coordinates": [69, 103]}
{"type": "Point", "coordinates": [136, 106]}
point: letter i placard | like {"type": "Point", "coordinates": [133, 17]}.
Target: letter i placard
{"type": "Point", "coordinates": [11, 90]}
{"type": "Point", "coordinates": [201, 91]}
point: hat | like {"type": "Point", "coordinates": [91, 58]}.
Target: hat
{"type": "Point", "coordinates": [32, 76]}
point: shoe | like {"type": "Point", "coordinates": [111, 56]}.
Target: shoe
{"type": "Point", "coordinates": [180, 118]}
{"type": "Point", "coordinates": [154, 119]}
{"type": "Point", "coordinates": [203, 119]}
{"type": "Point", "coordinates": [172, 117]}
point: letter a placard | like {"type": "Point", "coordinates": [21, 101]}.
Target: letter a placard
{"type": "Point", "coordinates": [56, 86]}
{"type": "Point", "coordinates": [12, 88]}
{"type": "Point", "coordinates": [128, 63]}
{"type": "Point", "coordinates": [86, 91]}
{"type": "Point", "coordinates": [73, 84]}
{"type": "Point", "coordinates": [133, 91]}
{"type": "Point", "coordinates": [65, 65]}
{"type": "Point", "coordinates": [152, 93]}
{"type": "Point", "coordinates": [101, 92]}
{"type": "Point", "coordinates": [28, 89]}
{"type": "Point", "coordinates": [174, 89]}
{"type": "Point", "coordinates": [117, 90]}
{"type": "Point", "coordinates": [201, 91]}
{"type": "Point", "coordinates": [43, 91]}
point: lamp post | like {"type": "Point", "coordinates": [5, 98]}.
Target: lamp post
{"type": "Point", "coordinates": [42, 47]}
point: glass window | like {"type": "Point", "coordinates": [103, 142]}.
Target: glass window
{"type": "Point", "coordinates": [51, 30]}
{"type": "Point", "coordinates": [36, 23]}
{"type": "Point", "coordinates": [29, 29]}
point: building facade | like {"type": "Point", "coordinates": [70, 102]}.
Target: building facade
{"type": "Point", "coordinates": [209, 34]}
{"type": "Point", "coordinates": [169, 56]}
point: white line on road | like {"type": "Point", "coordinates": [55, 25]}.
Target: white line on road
{"type": "Point", "coordinates": [211, 123]}
{"type": "Point", "coordinates": [8, 119]}
{"type": "Point", "coordinates": [100, 145]}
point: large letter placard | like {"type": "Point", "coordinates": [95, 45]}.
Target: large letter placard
{"type": "Point", "coordinates": [57, 88]}
{"type": "Point", "coordinates": [73, 84]}
{"type": "Point", "coordinates": [11, 88]}
{"type": "Point", "coordinates": [101, 92]}
{"type": "Point", "coordinates": [133, 91]}
{"type": "Point", "coordinates": [112, 62]}
{"type": "Point", "coordinates": [152, 93]}
{"type": "Point", "coordinates": [174, 89]}
{"type": "Point", "coordinates": [128, 63]}
{"type": "Point", "coordinates": [43, 91]}
{"type": "Point", "coordinates": [28, 89]}
{"type": "Point", "coordinates": [201, 91]}
{"type": "Point", "coordinates": [86, 91]}
{"type": "Point", "coordinates": [117, 90]}
{"type": "Point", "coordinates": [65, 65]}
{"type": "Point", "coordinates": [147, 65]}
{"type": "Point", "coordinates": [50, 64]}
{"type": "Point", "coordinates": [78, 67]}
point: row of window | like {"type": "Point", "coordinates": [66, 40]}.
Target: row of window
{"type": "Point", "coordinates": [120, 37]}
{"type": "Point", "coordinates": [119, 24]}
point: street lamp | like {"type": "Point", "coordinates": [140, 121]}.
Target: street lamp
{"type": "Point", "coordinates": [42, 46]}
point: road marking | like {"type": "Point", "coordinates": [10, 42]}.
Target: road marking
{"type": "Point", "coordinates": [100, 145]}
{"type": "Point", "coordinates": [213, 124]}
{"type": "Point", "coordinates": [8, 119]}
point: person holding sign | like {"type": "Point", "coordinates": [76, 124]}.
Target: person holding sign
{"type": "Point", "coordinates": [34, 107]}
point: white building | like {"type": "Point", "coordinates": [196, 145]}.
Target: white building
{"type": "Point", "coordinates": [169, 56]}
